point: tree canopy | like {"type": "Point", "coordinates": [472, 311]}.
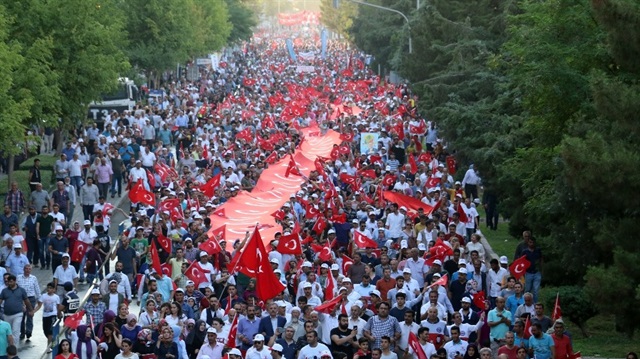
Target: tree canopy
{"type": "Point", "coordinates": [543, 98]}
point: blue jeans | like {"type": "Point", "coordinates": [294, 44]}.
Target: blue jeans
{"type": "Point", "coordinates": [26, 327]}
{"type": "Point", "coordinates": [45, 255]}
{"type": "Point", "coordinates": [532, 284]}
{"type": "Point", "coordinates": [75, 182]}
{"type": "Point", "coordinates": [117, 178]}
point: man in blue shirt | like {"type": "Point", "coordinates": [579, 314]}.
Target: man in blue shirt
{"type": "Point", "coordinates": [248, 327]}
{"type": "Point", "coordinates": [541, 345]}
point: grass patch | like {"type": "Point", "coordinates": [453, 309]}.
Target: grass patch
{"type": "Point", "coordinates": [46, 162]}
{"type": "Point", "coordinates": [22, 177]}
{"type": "Point", "coordinates": [500, 240]}
{"type": "Point", "coordinates": [604, 341]}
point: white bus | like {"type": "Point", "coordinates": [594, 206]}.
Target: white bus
{"type": "Point", "coordinates": [123, 98]}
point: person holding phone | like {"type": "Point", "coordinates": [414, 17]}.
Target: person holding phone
{"type": "Point", "coordinates": [343, 339]}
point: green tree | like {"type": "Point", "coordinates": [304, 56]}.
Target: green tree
{"type": "Point", "coordinates": [338, 20]}
{"type": "Point", "coordinates": [162, 34]}
{"type": "Point", "coordinates": [14, 107]}
{"type": "Point", "coordinates": [242, 19]}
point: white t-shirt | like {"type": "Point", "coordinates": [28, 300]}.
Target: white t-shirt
{"type": "Point", "coordinates": [308, 352]}
{"type": "Point", "coordinates": [49, 304]}
{"type": "Point", "coordinates": [207, 267]}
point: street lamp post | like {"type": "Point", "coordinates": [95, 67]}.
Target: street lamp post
{"type": "Point", "coordinates": [392, 10]}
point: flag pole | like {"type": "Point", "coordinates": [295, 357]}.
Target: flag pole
{"type": "Point", "coordinates": [235, 265]}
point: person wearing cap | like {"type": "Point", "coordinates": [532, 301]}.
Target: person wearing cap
{"type": "Point", "coordinates": [95, 308]}
{"type": "Point", "coordinates": [458, 287]}
{"type": "Point", "coordinates": [89, 194]}
{"type": "Point", "coordinates": [17, 260]}
{"type": "Point", "coordinates": [112, 299]}
{"type": "Point", "coordinates": [87, 236]}
{"type": "Point", "coordinates": [311, 283]}
{"type": "Point", "coordinates": [277, 351]}
{"type": "Point", "coordinates": [58, 245]}
{"type": "Point", "coordinates": [211, 347]}
{"type": "Point", "coordinates": [208, 269]}
{"type": "Point", "coordinates": [64, 273]}
{"type": "Point", "coordinates": [259, 350]}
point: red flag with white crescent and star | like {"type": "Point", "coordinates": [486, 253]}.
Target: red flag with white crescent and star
{"type": "Point", "coordinates": [196, 273]}
{"type": "Point", "coordinates": [362, 241]}
{"type": "Point", "coordinates": [155, 258]}
{"type": "Point", "coordinates": [290, 244]}
{"type": "Point", "coordinates": [519, 267]}
{"type": "Point", "coordinates": [346, 263]}
{"type": "Point", "coordinates": [139, 194]}
{"type": "Point", "coordinates": [233, 331]}
{"type": "Point", "coordinates": [414, 343]}
{"type": "Point", "coordinates": [165, 243]}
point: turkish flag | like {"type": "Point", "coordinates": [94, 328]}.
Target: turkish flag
{"type": "Point", "coordinates": [151, 178]}
{"type": "Point", "coordinates": [414, 343]}
{"type": "Point", "coordinates": [325, 253]}
{"type": "Point", "coordinates": [292, 168]}
{"type": "Point", "coordinates": [451, 164]}
{"type": "Point", "coordinates": [312, 212]}
{"type": "Point", "coordinates": [319, 165]}
{"type": "Point", "coordinates": [176, 214]}
{"type": "Point", "coordinates": [272, 158]}
{"type": "Point", "coordinates": [442, 281]}
{"type": "Point", "coordinates": [220, 233]}
{"type": "Point", "coordinates": [462, 213]}
{"type": "Point", "coordinates": [320, 225]}
{"type": "Point", "coordinates": [557, 311]}
{"type": "Point", "coordinates": [74, 320]}
{"type": "Point", "coordinates": [363, 241]}
{"type": "Point", "coordinates": [161, 171]}
{"type": "Point", "coordinates": [167, 269]}
{"type": "Point", "coordinates": [330, 287]}
{"type": "Point", "coordinates": [279, 215]}
{"type": "Point", "coordinates": [79, 251]}
{"type": "Point", "coordinates": [139, 194]}
{"type": "Point", "coordinates": [169, 204]}
{"type": "Point", "coordinates": [256, 264]}
{"type": "Point", "coordinates": [327, 307]}
{"type": "Point", "coordinates": [108, 207]}
{"type": "Point", "coordinates": [425, 157]}
{"type": "Point", "coordinates": [165, 243]}
{"type": "Point", "coordinates": [418, 130]}
{"type": "Point", "coordinates": [432, 181]}
{"type": "Point", "coordinates": [155, 258]}
{"type": "Point", "coordinates": [439, 251]}
{"type": "Point", "coordinates": [233, 331]}
{"type": "Point", "coordinates": [368, 173]}
{"type": "Point", "coordinates": [347, 137]}
{"type": "Point", "coordinates": [196, 273]}
{"type": "Point", "coordinates": [209, 188]}
{"type": "Point", "coordinates": [211, 246]}
{"type": "Point", "coordinates": [436, 339]}
{"type": "Point", "coordinates": [399, 129]}
{"type": "Point", "coordinates": [245, 134]}
{"type": "Point", "coordinates": [413, 164]}
{"type": "Point", "coordinates": [407, 201]}
{"type": "Point", "coordinates": [289, 244]}
{"type": "Point", "coordinates": [479, 299]}
{"type": "Point", "coordinates": [389, 180]}
{"type": "Point", "coordinates": [205, 152]}
{"type": "Point", "coordinates": [220, 212]}
{"type": "Point", "coordinates": [527, 328]}
{"type": "Point", "coordinates": [268, 122]}
{"type": "Point", "coordinates": [519, 267]}
{"type": "Point", "coordinates": [346, 263]}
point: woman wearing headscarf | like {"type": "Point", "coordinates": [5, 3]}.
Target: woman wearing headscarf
{"type": "Point", "coordinates": [182, 348]}
{"type": "Point", "coordinates": [109, 317]}
{"type": "Point", "coordinates": [144, 343]}
{"type": "Point", "coordinates": [166, 348]}
{"type": "Point", "coordinates": [195, 339]}
{"type": "Point", "coordinates": [82, 343]}
{"type": "Point", "coordinates": [472, 352]}
{"type": "Point", "coordinates": [130, 329]}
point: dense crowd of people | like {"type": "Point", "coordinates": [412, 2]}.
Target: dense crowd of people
{"type": "Point", "coordinates": [425, 288]}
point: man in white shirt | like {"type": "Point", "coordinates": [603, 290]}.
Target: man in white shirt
{"type": "Point", "coordinates": [423, 338]}
{"type": "Point", "coordinates": [407, 326]}
{"type": "Point", "coordinates": [313, 349]}
{"type": "Point", "coordinates": [138, 173]}
{"type": "Point", "coordinates": [210, 271]}
{"type": "Point", "coordinates": [417, 266]}
{"type": "Point", "coordinates": [147, 158]}
{"type": "Point", "coordinates": [395, 222]}
{"type": "Point", "coordinates": [495, 277]}
{"type": "Point", "coordinates": [258, 350]}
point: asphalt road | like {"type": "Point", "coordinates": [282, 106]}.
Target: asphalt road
{"type": "Point", "coordinates": [37, 347]}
